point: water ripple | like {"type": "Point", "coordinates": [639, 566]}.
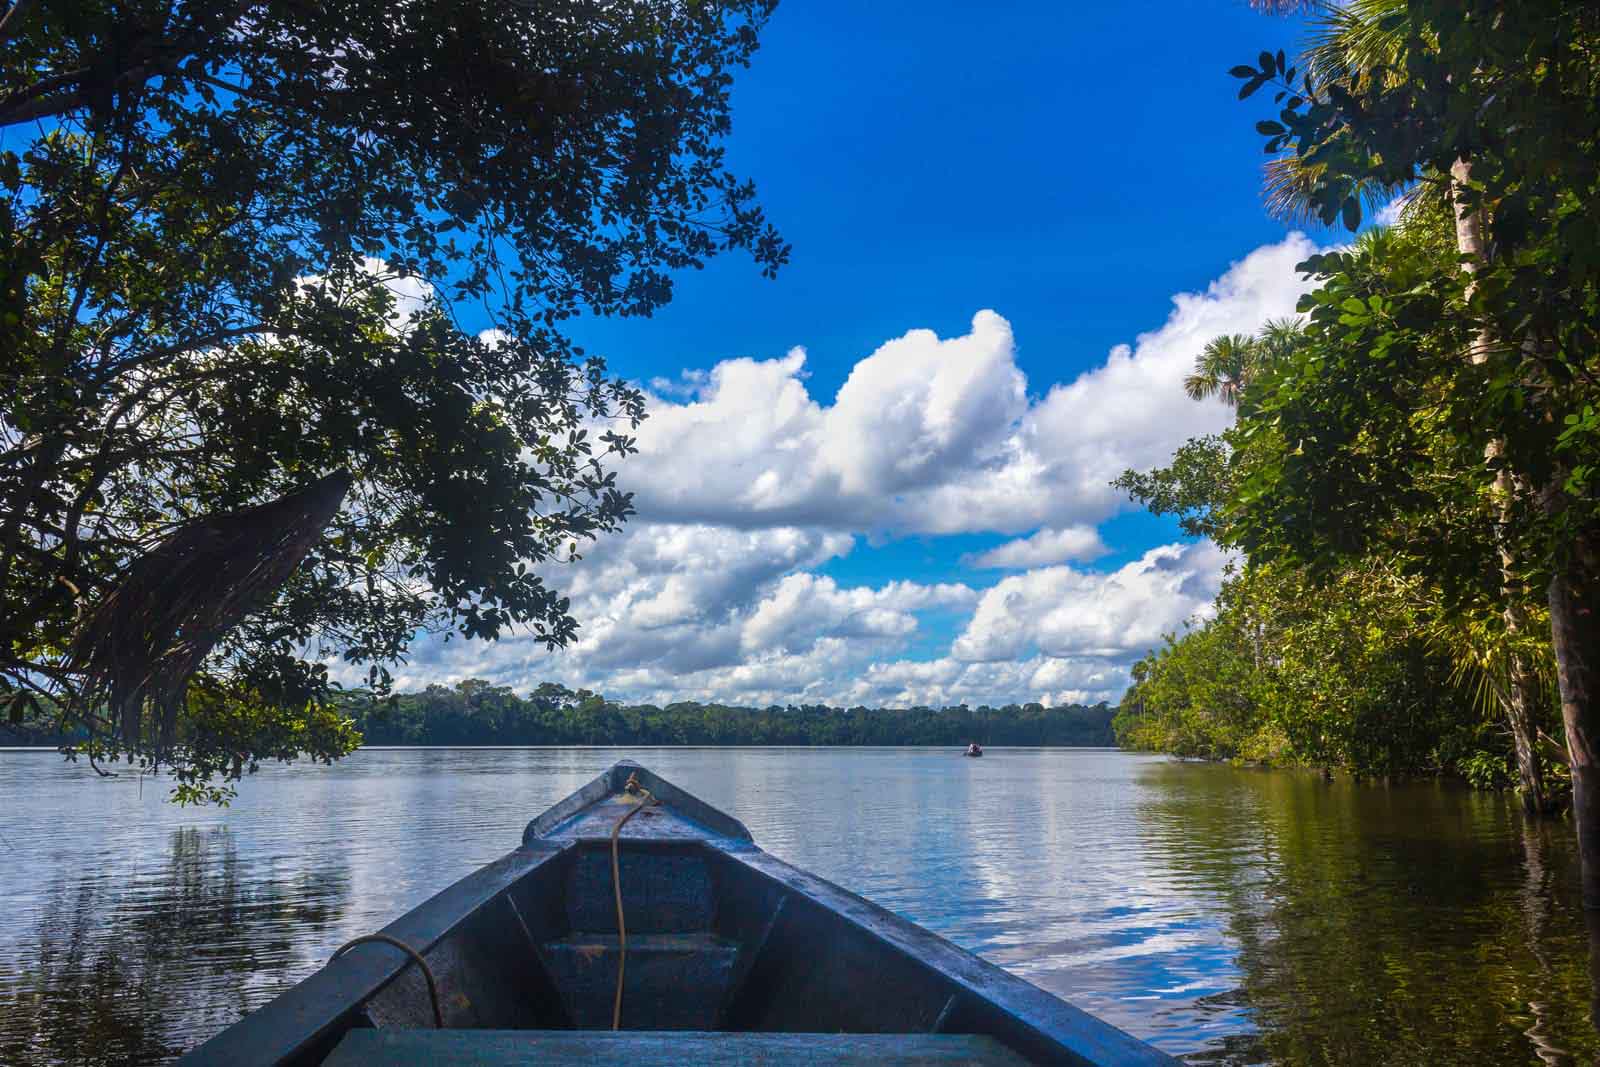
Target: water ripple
{"type": "Point", "coordinates": [1229, 916]}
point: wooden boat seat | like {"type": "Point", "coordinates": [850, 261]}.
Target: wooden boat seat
{"type": "Point", "coordinates": [676, 981]}
{"type": "Point", "coordinates": [635, 1048]}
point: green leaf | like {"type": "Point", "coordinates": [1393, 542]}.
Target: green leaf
{"type": "Point", "coordinates": [1270, 129]}
{"type": "Point", "coordinates": [1352, 214]}
{"type": "Point", "coordinates": [1243, 70]}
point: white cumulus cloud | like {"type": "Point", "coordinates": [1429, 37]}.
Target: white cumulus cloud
{"type": "Point", "coordinates": [1061, 612]}
{"type": "Point", "coordinates": [747, 484]}
{"type": "Point", "coordinates": [933, 435]}
{"type": "Point", "coordinates": [804, 607]}
{"type": "Point", "coordinates": [1046, 546]}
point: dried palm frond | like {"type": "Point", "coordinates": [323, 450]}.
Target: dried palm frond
{"type": "Point", "coordinates": [1289, 181]}
{"type": "Point", "coordinates": [138, 649]}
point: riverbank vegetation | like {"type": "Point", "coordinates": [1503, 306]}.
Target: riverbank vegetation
{"type": "Point", "coordinates": [476, 712]}
{"type": "Point", "coordinates": [1410, 484]}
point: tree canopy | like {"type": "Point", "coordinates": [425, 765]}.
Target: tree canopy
{"type": "Point", "coordinates": [1378, 652]}
{"type": "Point", "coordinates": [249, 247]}
{"type": "Point", "coordinates": [1435, 420]}
{"type": "Point", "coordinates": [478, 712]}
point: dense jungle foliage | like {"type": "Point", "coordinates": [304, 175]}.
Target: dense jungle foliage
{"type": "Point", "coordinates": [1352, 671]}
{"type": "Point", "coordinates": [1388, 656]}
{"type": "Point", "coordinates": [1410, 483]}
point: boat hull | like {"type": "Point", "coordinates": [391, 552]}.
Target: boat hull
{"type": "Point", "coordinates": [721, 938]}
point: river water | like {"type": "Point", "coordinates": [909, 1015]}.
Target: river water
{"type": "Point", "coordinates": [1227, 915]}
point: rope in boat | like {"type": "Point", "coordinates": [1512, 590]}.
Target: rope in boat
{"type": "Point", "coordinates": [632, 788]}
{"type": "Point", "coordinates": [427, 972]}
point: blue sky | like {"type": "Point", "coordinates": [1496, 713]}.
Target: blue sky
{"type": "Point", "coordinates": [880, 478]}
{"type": "Point", "coordinates": [1070, 166]}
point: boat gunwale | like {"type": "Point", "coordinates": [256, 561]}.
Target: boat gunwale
{"type": "Point", "coordinates": [318, 1003]}
{"type": "Point", "coordinates": [1087, 1038]}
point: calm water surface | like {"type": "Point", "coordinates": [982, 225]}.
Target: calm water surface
{"type": "Point", "coordinates": [1228, 916]}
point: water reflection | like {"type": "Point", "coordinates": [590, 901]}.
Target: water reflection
{"type": "Point", "coordinates": [1408, 924]}
{"type": "Point", "coordinates": [126, 965]}
{"type": "Point", "coordinates": [1230, 916]}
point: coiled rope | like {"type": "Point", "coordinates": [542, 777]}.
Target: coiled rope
{"type": "Point", "coordinates": [632, 788]}
{"type": "Point", "coordinates": [427, 972]}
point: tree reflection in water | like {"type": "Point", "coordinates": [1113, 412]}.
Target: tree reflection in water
{"type": "Point", "coordinates": [1233, 916]}
{"type": "Point", "coordinates": [1398, 924]}
{"type": "Point", "coordinates": [120, 959]}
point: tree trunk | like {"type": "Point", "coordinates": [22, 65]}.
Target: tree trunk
{"type": "Point", "coordinates": [1575, 633]}
{"type": "Point", "coordinates": [1523, 723]}
{"type": "Point", "coordinates": [1521, 698]}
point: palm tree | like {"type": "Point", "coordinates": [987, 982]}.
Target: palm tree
{"type": "Point", "coordinates": [1222, 369]}
{"type": "Point", "coordinates": [1227, 363]}
{"type": "Point", "coordinates": [1278, 337]}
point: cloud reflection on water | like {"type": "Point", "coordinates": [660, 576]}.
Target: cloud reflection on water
{"type": "Point", "coordinates": [1229, 915]}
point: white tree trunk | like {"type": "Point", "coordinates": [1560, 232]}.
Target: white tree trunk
{"type": "Point", "coordinates": [1520, 698]}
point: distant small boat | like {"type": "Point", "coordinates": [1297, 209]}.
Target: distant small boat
{"type": "Point", "coordinates": [973, 749]}
{"type": "Point", "coordinates": [721, 954]}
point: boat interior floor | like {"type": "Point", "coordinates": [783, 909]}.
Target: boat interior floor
{"type": "Point", "coordinates": [604, 1048]}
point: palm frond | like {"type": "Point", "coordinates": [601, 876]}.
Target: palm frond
{"type": "Point", "coordinates": [1358, 39]}
{"type": "Point", "coordinates": [1289, 180]}
{"type": "Point", "coordinates": [139, 647]}
{"type": "Point", "coordinates": [1200, 386]}
{"type": "Point", "coordinates": [1350, 43]}
{"type": "Point", "coordinates": [1488, 660]}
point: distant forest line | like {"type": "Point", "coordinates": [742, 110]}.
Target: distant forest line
{"type": "Point", "coordinates": [476, 712]}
